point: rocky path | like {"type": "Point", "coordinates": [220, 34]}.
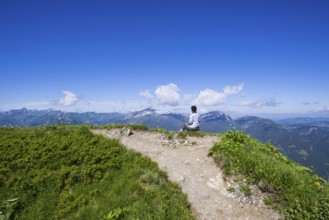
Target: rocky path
{"type": "Point", "coordinates": [186, 163]}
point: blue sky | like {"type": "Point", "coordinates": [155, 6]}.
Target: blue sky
{"type": "Point", "coordinates": [266, 57]}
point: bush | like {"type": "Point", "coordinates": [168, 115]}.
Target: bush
{"type": "Point", "coordinates": [66, 172]}
{"type": "Point", "coordinates": [296, 191]}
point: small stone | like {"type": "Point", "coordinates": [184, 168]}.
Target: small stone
{"type": "Point", "coordinates": [126, 131]}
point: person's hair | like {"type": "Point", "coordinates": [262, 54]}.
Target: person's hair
{"type": "Point", "coordinates": [193, 108]}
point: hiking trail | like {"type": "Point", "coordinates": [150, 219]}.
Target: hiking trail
{"type": "Point", "coordinates": [187, 164]}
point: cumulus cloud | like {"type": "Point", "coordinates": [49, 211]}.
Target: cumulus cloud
{"type": "Point", "coordinates": [209, 97]}
{"type": "Point", "coordinates": [322, 109]}
{"type": "Point", "coordinates": [187, 97]}
{"type": "Point", "coordinates": [259, 103]}
{"type": "Point", "coordinates": [168, 94]}
{"type": "Point", "coordinates": [69, 99]}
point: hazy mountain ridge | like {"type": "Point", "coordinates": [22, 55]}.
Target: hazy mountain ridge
{"type": "Point", "coordinates": [321, 121]}
{"type": "Point", "coordinates": [303, 143]}
{"type": "Point", "coordinates": [304, 140]}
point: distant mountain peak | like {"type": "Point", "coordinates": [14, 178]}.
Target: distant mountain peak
{"type": "Point", "coordinates": [148, 109]}
{"type": "Point", "coordinates": [144, 112]}
{"type": "Point", "coordinates": [215, 116]}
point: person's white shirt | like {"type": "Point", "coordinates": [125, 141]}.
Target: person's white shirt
{"type": "Point", "coordinates": [194, 120]}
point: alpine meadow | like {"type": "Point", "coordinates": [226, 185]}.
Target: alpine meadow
{"type": "Point", "coordinates": [68, 173]}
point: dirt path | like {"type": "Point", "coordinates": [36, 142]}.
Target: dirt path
{"type": "Point", "coordinates": [186, 163]}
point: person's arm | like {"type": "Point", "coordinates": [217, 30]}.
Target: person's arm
{"type": "Point", "coordinates": [190, 121]}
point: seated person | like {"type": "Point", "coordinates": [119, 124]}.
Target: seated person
{"type": "Point", "coordinates": [194, 121]}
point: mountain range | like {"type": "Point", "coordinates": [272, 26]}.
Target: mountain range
{"type": "Point", "coordinates": [303, 140]}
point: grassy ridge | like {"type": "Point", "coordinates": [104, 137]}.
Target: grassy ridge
{"type": "Point", "coordinates": [65, 172]}
{"type": "Point", "coordinates": [295, 190]}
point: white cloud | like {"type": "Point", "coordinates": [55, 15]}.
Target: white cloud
{"type": "Point", "coordinates": [168, 94]}
{"type": "Point", "coordinates": [231, 90]}
{"type": "Point", "coordinates": [322, 109]}
{"type": "Point", "coordinates": [146, 94]}
{"type": "Point", "coordinates": [69, 99]}
{"type": "Point", "coordinates": [209, 97]}
{"type": "Point", "coordinates": [187, 97]}
{"type": "Point", "coordinates": [259, 103]}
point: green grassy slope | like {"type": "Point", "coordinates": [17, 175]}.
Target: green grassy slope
{"type": "Point", "coordinates": [294, 190]}
{"type": "Point", "coordinates": [63, 172]}
{"type": "Point", "coordinates": [66, 172]}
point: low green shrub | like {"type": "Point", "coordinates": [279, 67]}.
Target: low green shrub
{"type": "Point", "coordinates": [66, 172]}
{"type": "Point", "coordinates": [196, 133]}
{"type": "Point", "coordinates": [296, 191]}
